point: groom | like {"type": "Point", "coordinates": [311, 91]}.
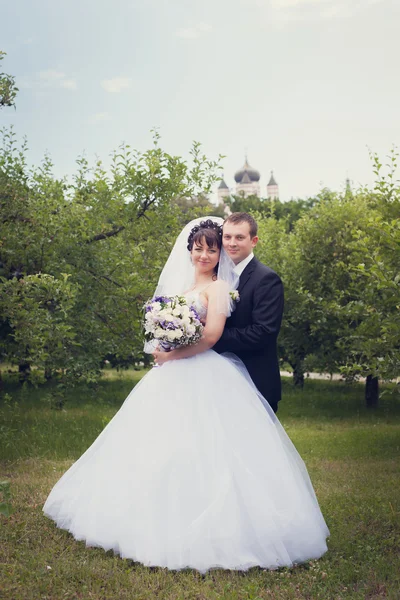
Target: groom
{"type": "Point", "coordinates": [252, 330]}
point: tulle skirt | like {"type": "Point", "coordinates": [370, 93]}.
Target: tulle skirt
{"type": "Point", "coordinates": [196, 471]}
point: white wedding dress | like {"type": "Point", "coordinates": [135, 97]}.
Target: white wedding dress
{"type": "Point", "coordinates": [194, 471]}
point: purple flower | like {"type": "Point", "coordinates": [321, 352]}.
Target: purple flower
{"type": "Point", "coordinates": [164, 299]}
{"type": "Point", "coordinates": [169, 322]}
{"type": "Point", "coordinates": [195, 313]}
{"type": "Point", "coordinates": [167, 345]}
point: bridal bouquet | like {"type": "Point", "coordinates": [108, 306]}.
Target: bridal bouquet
{"type": "Point", "coordinates": [172, 322]}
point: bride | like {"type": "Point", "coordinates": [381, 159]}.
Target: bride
{"type": "Point", "coordinates": [195, 469]}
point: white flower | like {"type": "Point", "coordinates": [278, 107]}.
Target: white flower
{"type": "Point", "coordinates": [177, 312]}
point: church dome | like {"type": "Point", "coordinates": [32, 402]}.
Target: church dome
{"type": "Point", "coordinates": [251, 174]}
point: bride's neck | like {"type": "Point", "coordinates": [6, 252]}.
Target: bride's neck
{"type": "Point", "coordinates": [203, 279]}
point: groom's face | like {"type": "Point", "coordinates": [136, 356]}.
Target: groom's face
{"type": "Point", "coordinates": [237, 241]}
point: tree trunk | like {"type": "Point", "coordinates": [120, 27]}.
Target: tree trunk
{"type": "Point", "coordinates": [371, 391]}
{"type": "Point", "coordinates": [24, 370]}
{"type": "Point", "coordinates": [298, 375]}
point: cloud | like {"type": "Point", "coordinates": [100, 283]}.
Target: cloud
{"type": "Point", "coordinates": [117, 84]}
{"type": "Point", "coordinates": [284, 12]}
{"type": "Point", "coordinates": [69, 84]}
{"type": "Point", "coordinates": [25, 82]}
{"type": "Point", "coordinates": [321, 4]}
{"type": "Point", "coordinates": [25, 41]}
{"type": "Point", "coordinates": [192, 33]}
{"type": "Point", "coordinates": [338, 10]}
{"type": "Point", "coordinates": [52, 78]}
{"type": "Point", "coordinates": [292, 3]}
{"type": "Point", "coordinates": [51, 75]}
{"type": "Point", "coordinates": [99, 117]}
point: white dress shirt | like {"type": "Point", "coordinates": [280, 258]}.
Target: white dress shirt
{"type": "Point", "coordinates": [240, 267]}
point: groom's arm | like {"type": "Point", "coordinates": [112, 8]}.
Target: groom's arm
{"type": "Point", "coordinates": [266, 319]}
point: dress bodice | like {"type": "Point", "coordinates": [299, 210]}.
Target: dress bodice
{"type": "Point", "coordinates": [195, 299]}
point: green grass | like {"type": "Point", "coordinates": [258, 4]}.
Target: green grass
{"type": "Point", "coordinates": [353, 456]}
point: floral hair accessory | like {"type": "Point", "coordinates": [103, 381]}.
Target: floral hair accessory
{"type": "Point", "coordinates": [209, 224]}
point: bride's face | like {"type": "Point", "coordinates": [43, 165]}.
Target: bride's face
{"type": "Point", "coordinates": [204, 258]}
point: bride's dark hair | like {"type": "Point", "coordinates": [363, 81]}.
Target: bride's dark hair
{"type": "Point", "coordinates": [209, 231]}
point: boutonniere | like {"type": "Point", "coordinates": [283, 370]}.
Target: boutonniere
{"type": "Point", "coordinates": [235, 295]}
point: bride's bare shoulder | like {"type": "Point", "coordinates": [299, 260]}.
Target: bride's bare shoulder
{"type": "Point", "coordinates": [217, 286]}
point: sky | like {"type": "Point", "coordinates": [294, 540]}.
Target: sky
{"type": "Point", "coordinates": [307, 88]}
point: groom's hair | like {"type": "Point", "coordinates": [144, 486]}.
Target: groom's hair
{"type": "Point", "coordinates": [242, 217]}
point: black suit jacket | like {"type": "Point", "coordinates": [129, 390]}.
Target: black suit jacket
{"type": "Point", "coordinates": [251, 331]}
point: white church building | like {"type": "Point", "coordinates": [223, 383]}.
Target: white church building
{"type": "Point", "coordinates": [247, 181]}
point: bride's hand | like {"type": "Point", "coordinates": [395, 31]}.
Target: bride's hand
{"type": "Point", "coordinates": [162, 357]}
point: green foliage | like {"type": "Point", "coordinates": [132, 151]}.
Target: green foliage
{"type": "Point", "coordinates": [318, 266]}
{"type": "Point", "coordinates": [374, 347]}
{"type": "Point", "coordinates": [386, 194]}
{"type": "Point", "coordinates": [8, 89]}
{"type": "Point", "coordinates": [289, 211]}
{"type": "Point", "coordinates": [198, 207]}
{"type": "Point", "coordinates": [37, 310]}
{"type": "Point", "coordinates": [99, 242]}
{"type": "Point", "coordinates": [340, 266]}
{"type": "Point", "coordinates": [79, 258]}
